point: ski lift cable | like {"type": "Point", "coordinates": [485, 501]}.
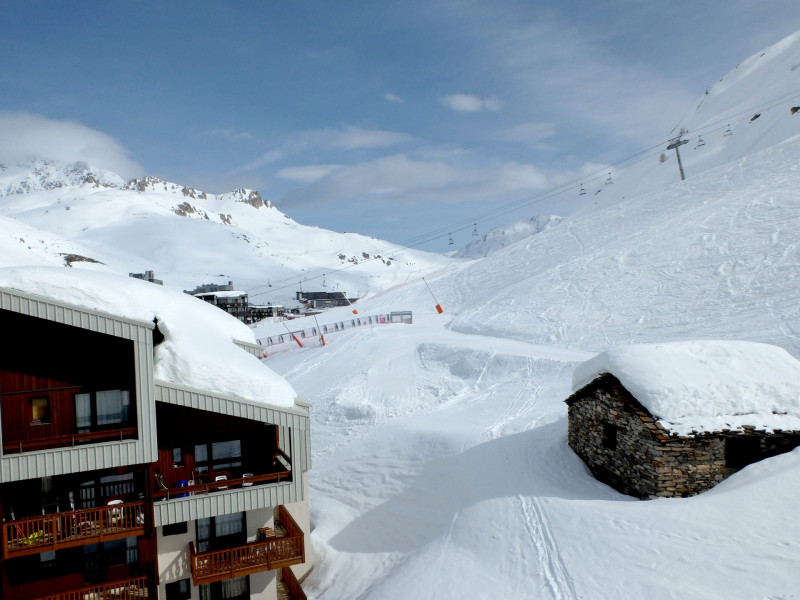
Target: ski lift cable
{"type": "Point", "coordinates": [546, 194]}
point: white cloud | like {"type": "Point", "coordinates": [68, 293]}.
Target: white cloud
{"type": "Point", "coordinates": [230, 134]}
{"type": "Point", "coordinates": [26, 136]}
{"type": "Point", "coordinates": [407, 180]}
{"type": "Point", "coordinates": [393, 98]}
{"type": "Point", "coordinates": [268, 157]}
{"type": "Point", "coordinates": [355, 137]}
{"type": "Point", "coordinates": [345, 138]}
{"type": "Point", "coordinates": [527, 133]}
{"type": "Point", "coordinates": [470, 103]}
{"type": "Point", "coordinates": [306, 174]}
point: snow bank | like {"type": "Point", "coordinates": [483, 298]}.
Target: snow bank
{"type": "Point", "coordinates": [705, 385]}
{"type": "Point", "coordinates": [198, 350]}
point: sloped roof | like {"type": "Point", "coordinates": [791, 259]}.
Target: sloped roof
{"type": "Point", "coordinates": [706, 385]}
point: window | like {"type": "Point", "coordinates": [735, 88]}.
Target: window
{"type": "Point", "coordinates": [105, 407]}
{"type": "Point", "coordinates": [223, 531]}
{"type": "Point", "coordinates": [218, 456]}
{"type": "Point", "coordinates": [610, 436]}
{"type": "Point", "coordinates": [229, 589]}
{"type": "Point", "coordinates": [40, 410]}
{"type": "Point", "coordinates": [179, 590]}
{"type": "Point", "coordinates": [177, 456]}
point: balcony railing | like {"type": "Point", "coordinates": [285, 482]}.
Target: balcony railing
{"type": "Point", "coordinates": [33, 535]}
{"type": "Point", "coordinates": [223, 484]}
{"type": "Point", "coordinates": [68, 440]}
{"type": "Point", "coordinates": [262, 555]}
{"type": "Point", "coordinates": [126, 589]}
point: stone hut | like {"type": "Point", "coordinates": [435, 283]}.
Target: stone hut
{"type": "Point", "coordinates": [673, 420]}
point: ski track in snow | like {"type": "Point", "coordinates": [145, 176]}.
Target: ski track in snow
{"type": "Point", "coordinates": [553, 569]}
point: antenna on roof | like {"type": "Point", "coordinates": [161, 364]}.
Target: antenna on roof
{"type": "Point", "coordinates": [582, 191]}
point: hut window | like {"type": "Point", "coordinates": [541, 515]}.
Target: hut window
{"type": "Point", "coordinates": [610, 436]}
{"type": "Point", "coordinates": [40, 410]}
{"type": "Point", "coordinates": [741, 451]}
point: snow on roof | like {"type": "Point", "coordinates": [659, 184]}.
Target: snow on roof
{"type": "Point", "coordinates": [222, 294]}
{"type": "Point", "coordinates": [198, 349]}
{"type": "Point", "coordinates": [705, 385]}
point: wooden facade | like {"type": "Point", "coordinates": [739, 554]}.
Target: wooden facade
{"type": "Point", "coordinates": [85, 491]}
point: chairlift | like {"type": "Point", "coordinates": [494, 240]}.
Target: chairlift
{"type": "Point", "coordinates": [475, 231]}
{"type": "Point", "coordinates": [268, 283]}
{"type": "Point", "coordinates": [700, 142]}
{"type": "Point", "coordinates": [323, 281]}
{"type": "Point", "coordinates": [609, 181]}
{"type": "Point", "coordinates": [450, 243]}
{"type": "Point", "coordinates": [728, 132]}
{"type": "Point", "coordinates": [582, 192]}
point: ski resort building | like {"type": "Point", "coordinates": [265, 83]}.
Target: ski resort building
{"type": "Point", "coordinates": [116, 484]}
{"type": "Point", "coordinates": [674, 420]}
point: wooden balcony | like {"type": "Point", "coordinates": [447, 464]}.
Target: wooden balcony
{"type": "Point", "coordinates": [125, 589]}
{"type": "Point", "coordinates": [274, 552]}
{"type": "Point", "coordinates": [33, 535]}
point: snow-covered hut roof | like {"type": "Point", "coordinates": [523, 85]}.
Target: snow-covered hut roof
{"type": "Point", "coordinates": [705, 386]}
{"type": "Point", "coordinates": [198, 350]}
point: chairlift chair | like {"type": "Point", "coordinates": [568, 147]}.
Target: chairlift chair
{"type": "Point", "coordinates": [475, 231]}
{"type": "Point", "coordinates": [582, 191]}
{"type": "Point", "coordinates": [700, 142]}
{"type": "Point", "coordinates": [728, 132]}
{"type": "Point", "coordinates": [450, 243]}
{"type": "Point", "coordinates": [609, 181]}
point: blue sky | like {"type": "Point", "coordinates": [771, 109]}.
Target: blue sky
{"type": "Point", "coordinates": [392, 119]}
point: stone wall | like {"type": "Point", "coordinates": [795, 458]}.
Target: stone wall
{"type": "Point", "coordinates": [625, 447]}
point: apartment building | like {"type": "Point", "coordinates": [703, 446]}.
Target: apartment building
{"type": "Point", "coordinates": [117, 484]}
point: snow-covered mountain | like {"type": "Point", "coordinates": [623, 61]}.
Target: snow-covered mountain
{"type": "Point", "coordinates": [53, 211]}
